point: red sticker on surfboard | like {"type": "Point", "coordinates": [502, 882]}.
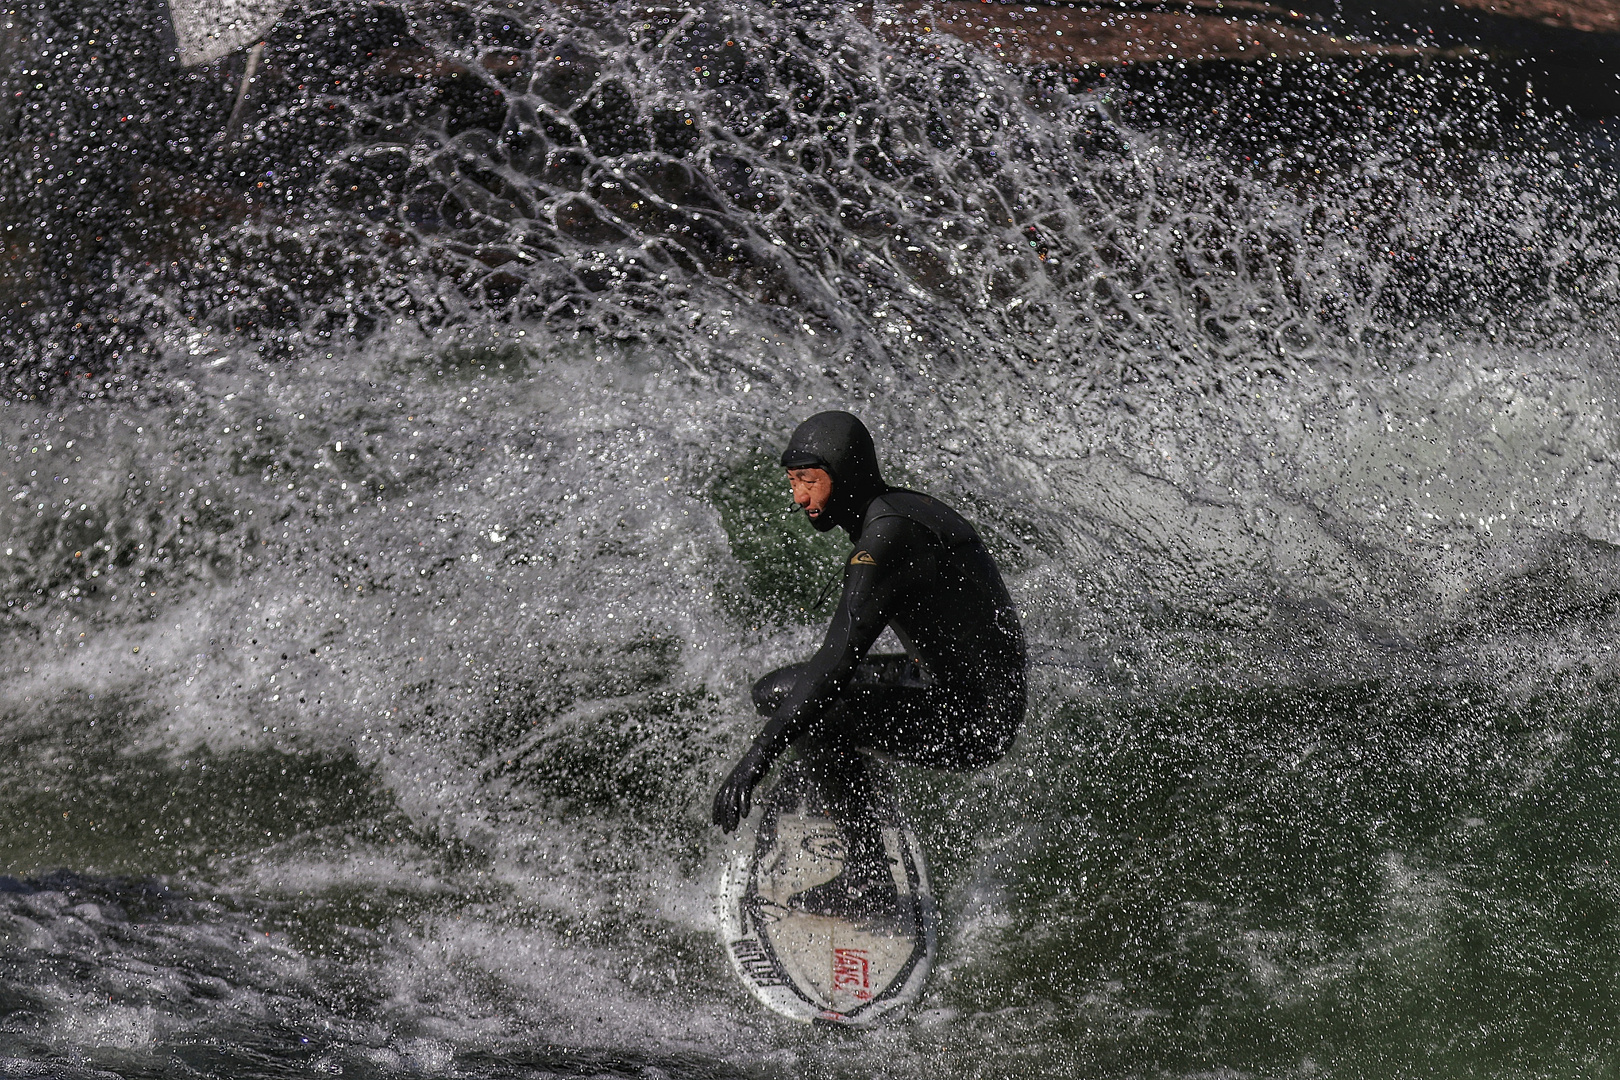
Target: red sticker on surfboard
{"type": "Point", "coordinates": [852, 973]}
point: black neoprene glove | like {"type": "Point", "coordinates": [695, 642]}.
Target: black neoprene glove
{"type": "Point", "coordinates": [735, 797]}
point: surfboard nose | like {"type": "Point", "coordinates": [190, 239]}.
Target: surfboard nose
{"type": "Point", "coordinates": [817, 933]}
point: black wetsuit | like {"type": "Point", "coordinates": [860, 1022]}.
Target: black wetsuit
{"type": "Point", "coordinates": [957, 697]}
{"type": "Point", "coordinates": [955, 700]}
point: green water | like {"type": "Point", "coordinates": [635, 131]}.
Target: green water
{"type": "Point", "coordinates": [78, 790]}
{"type": "Point", "coordinates": [391, 541]}
{"type": "Point", "coordinates": [1373, 880]}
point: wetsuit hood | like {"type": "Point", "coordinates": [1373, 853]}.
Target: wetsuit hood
{"type": "Point", "coordinates": [839, 443]}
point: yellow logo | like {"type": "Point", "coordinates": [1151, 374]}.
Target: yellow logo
{"type": "Point", "coordinates": [861, 558]}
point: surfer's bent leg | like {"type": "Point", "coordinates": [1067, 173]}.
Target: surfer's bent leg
{"type": "Point", "coordinates": [940, 727]}
{"type": "Point", "coordinates": [773, 689]}
{"type": "Point", "coordinates": [865, 883]}
{"type": "Point", "coordinates": [891, 707]}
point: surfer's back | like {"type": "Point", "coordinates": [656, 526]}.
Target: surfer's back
{"type": "Point", "coordinates": [955, 611]}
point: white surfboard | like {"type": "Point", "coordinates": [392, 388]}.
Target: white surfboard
{"type": "Point", "coordinates": [849, 969]}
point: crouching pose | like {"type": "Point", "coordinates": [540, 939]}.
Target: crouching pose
{"type": "Point", "coordinates": [954, 700]}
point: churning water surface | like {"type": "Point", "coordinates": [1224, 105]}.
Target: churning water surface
{"type": "Point", "coordinates": [391, 533]}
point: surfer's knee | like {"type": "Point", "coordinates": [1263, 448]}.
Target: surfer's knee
{"type": "Point", "coordinates": [773, 689]}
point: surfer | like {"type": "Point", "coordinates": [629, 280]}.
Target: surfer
{"type": "Point", "coordinates": [956, 697]}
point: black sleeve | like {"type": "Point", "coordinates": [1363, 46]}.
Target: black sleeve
{"type": "Point", "coordinates": [892, 553]}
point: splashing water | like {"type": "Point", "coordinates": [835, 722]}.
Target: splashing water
{"type": "Point", "coordinates": [392, 532]}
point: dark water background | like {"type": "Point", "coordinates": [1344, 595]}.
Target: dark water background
{"type": "Point", "coordinates": [391, 535]}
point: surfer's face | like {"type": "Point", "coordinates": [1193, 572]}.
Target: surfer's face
{"type": "Point", "coordinates": [812, 488]}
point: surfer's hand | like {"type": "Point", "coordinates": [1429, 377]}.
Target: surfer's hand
{"type": "Point", "coordinates": [736, 795]}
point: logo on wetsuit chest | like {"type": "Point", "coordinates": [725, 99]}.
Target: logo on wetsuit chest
{"type": "Point", "coordinates": [862, 558]}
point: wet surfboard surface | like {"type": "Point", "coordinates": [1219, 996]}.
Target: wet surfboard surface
{"type": "Point", "coordinates": [853, 967]}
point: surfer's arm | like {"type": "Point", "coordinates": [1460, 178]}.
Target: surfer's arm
{"type": "Point", "coordinates": [874, 580]}
{"type": "Point", "coordinates": [890, 553]}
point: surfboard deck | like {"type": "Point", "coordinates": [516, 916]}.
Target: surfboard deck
{"type": "Point", "coordinates": [854, 968]}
